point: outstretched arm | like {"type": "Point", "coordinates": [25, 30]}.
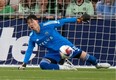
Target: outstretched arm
{"type": "Point", "coordinates": [84, 18]}
{"type": "Point", "coordinates": [58, 23]}
{"type": "Point", "coordinates": [27, 54]}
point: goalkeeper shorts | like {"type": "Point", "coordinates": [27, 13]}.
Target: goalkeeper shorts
{"type": "Point", "coordinates": [55, 56]}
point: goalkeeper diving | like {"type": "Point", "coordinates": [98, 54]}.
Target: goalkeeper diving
{"type": "Point", "coordinates": [46, 35]}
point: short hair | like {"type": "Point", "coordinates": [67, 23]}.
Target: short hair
{"type": "Point", "coordinates": [31, 16]}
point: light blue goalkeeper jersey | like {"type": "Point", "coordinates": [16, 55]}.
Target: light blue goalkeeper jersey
{"type": "Point", "coordinates": [48, 37]}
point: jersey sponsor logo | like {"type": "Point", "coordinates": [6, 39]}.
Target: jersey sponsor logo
{"type": "Point", "coordinates": [46, 41]}
{"type": "Point", "coordinates": [7, 42]}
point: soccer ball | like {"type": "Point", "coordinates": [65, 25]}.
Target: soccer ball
{"type": "Point", "coordinates": [65, 51]}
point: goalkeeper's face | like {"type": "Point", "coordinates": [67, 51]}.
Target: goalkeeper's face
{"type": "Point", "coordinates": [33, 24]}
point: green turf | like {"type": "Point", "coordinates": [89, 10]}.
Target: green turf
{"type": "Point", "coordinates": [38, 74]}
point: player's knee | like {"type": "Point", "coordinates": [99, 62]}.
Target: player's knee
{"type": "Point", "coordinates": [46, 65]}
{"type": "Point", "coordinates": [83, 55]}
{"type": "Point", "coordinates": [43, 65]}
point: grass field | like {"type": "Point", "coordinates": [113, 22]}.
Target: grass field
{"type": "Point", "coordinates": [38, 74]}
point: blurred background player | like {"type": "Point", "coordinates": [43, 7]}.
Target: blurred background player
{"type": "Point", "coordinates": [46, 35]}
{"type": "Point", "coordinates": [94, 2]}
{"type": "Point", "coordinates": [5, 9]}
{"type": "Point", "coordinates": [79, 7]}
{"type": "Point", "coordinates": [14, 4]}
{"type": "Point", "coordinates": [26, 7]}
{"type": "Point", "coordinates": [106, 9]}
{"type": "Point", "coordinates": [29, 7]}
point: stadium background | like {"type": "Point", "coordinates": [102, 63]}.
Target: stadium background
{"type": "Point", "coordinates": [97, 38]}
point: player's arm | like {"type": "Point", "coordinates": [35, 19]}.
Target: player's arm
{"type": "Point", "coordinates": [27, 54]}
{"type": "Point", "coordinates": [84, 18]}
{"type": "Point", "coordinates": [58, 23]}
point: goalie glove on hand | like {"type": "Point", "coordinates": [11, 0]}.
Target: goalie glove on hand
{"type": "Point", "coordinates": [84, 18]}
{"type": "Point", "coordinates": [22, 67]}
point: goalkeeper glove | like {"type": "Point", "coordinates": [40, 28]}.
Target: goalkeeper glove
{"type": "Point", "coordinates": [22, 67]}
{"type": "Point", "coordinates": [84, 18]}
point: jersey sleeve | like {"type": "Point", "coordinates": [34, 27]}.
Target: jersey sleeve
{"type": "Point", "coordinates": [29, 51]}
{"type": "Point", "coordinates": [59, 23]}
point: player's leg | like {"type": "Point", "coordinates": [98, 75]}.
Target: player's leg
{"type": "Point", "coordinates": [48, 64]}
{"type": "Point", "coordinates": [93, 60]}
{"type": "Point", "coordinates": [89, 58]}
{"type": "Point", "coordinates": [51, 62]}
{"type": "Point", "coordinates": [74, 52]}
{"type": "Point", "coordinates": [78, 53]}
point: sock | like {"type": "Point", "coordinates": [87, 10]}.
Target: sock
{"type": "Point", "coordinates": [91, 59]}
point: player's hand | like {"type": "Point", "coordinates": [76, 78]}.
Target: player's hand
{"type": "Point", "coordinates": [22, 67]}
{"type": "Point", "coordinates": [84, 18]}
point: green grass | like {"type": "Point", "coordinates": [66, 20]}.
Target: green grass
{"type": "Point", "coordinates": [38, 74]}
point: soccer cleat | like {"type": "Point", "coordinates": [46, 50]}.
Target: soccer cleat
{"type": "Point", "coordinates": [102, 65]}
{"type": "Point", "coordinates": [68, 65]}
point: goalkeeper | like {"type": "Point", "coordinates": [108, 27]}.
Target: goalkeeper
{"type": "Point", "coordinates": [45, 35]}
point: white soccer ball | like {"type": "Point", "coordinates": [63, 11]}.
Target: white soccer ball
{"type": "Point", "coordinates": [65, 51]}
